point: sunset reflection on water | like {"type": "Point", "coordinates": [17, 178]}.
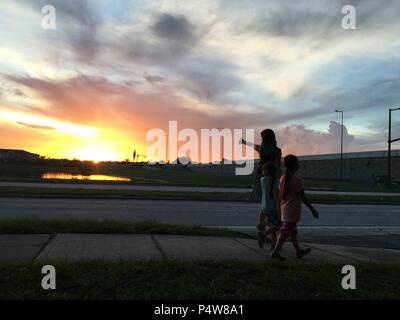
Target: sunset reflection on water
{"type": "Point", "coordinates": [72, 176]}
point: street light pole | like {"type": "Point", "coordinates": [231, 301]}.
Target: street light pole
{"type": "Point", "coordinates": [341, 147]}
{"type": "Point", "coordinates": [133, 163]}
{"type": "Point", "coordinates": [390, 141]}
{"type": "Point", "coordinates": [222, 153]}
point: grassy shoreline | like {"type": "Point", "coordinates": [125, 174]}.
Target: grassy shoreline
{"type": "Point", "coordinates": [197, 179]}
{"type": "Point", "coordinates": [123, 183]}
{"type": "Point", "coordinates": [171, 279]}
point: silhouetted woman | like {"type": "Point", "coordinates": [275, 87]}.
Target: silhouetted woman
{"type": "Point", "coordinates": [268, 151]}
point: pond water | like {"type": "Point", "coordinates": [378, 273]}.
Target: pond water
{"type": "Point", "coordinates": [73, 176]}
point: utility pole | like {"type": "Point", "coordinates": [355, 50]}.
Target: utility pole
{"type": "Point", "coordinates": [341, 147]}
{"type": "Point", "coordinates": [222, 153]}
{"type": "Point", "coordinates": [390, 141]}
{"type": "Point", "coordinates": [133, 163]}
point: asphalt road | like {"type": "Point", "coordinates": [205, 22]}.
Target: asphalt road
{"type": "Point", "coordinates": [356, 225]}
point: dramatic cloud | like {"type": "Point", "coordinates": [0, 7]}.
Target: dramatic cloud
{"type": "Point", "coordinates": [33, 126]}
{"type": "Point", "coordinates": [98, 101]}
{"type": "Point", "coordinates": [302, 141]}
{"type": "Point", "coordinates": [317, 20]}
{"type": "Point", "coordinates": [19, 92]}
{"type": "Point", "coordinates": [153, 79]}
{"type": "Point", "coordinates": [78, 23]}
{"type": "Point", "coordinates": [174, 28]}
{"type": "Point", "coordinates": [124, 67]}
{"type": "Point", "coordinates": [162, 40]}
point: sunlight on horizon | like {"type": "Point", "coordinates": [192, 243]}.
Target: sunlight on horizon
{"type": "Point", "coordinates": [96, 154]}
{"type": "Point", "coordinates": [66, 140]}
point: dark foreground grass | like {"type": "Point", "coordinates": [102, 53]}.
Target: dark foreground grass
{"type": "Point", "coordinates": [39, 226]}
{"type": "Point", "coordinates": [170, 279]}
{"type": "Point", "coordinates": [174, 195]}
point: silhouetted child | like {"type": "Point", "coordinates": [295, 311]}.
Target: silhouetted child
{"type": "Point", "coordinates": [292, 196]}
{"type": "Point", "coordinates": [269, 214]}
{"type": "Point", "coordinates": [269, 151]}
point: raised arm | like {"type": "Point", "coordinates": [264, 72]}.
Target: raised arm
{"type": "Point", "coordinates": [252, 145]}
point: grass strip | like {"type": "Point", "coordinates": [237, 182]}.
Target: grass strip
{"type": "Point", "coordinates": [175, 195]}
{"type": "Point", "coordinates": [42, 226]}
{"type": "Point", "coordinates": [170, 279]}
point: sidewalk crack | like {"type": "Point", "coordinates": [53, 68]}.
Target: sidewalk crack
{"type": "Point", "coordinates": [248, 247]}
{"type": "Point", "coordinates": [51, 238]}
{"type": "Point", "coordinates": [158, 246]}
{"type": "Point", "coordinates": [335, 253]}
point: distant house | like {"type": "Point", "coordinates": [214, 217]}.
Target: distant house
{"type": "Point", "coordinates": [17, 155]}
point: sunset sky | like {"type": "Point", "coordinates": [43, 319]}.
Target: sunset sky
{"type": "Point", "coordinates": [113, 69]}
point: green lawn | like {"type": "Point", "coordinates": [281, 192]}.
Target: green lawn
{"type": "Point", "coordinates": [154, 175]}
{"type": "Point", "coordinates": [170, 279]}
{"type": "Point", "coordinates": [346, 185]}
{"type": "Point", "coordinates": [120, 194]}
{"type": "Point", "coordinates": [174, 195]}
{"type": "Point", "coordinates": [51, 226]}
{"type": "Point", "coordinates": [170, 175]}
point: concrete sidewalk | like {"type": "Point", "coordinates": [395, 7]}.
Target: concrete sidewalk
{"type": "Point", "coordinates": [25, 248]}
